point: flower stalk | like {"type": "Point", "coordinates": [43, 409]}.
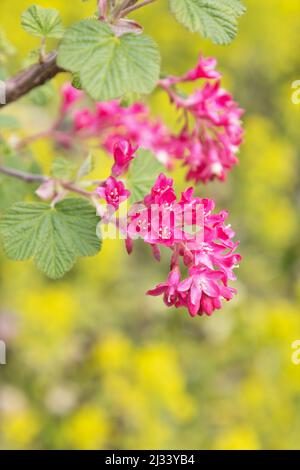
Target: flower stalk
{"type": "Point", "coordinates": [37, 178]}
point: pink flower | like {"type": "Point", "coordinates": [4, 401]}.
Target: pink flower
{"type": "Point", "coordinates": [162, 192]}
{"type": "Point", "coordinates": [201, 292]}
{"type": "Point", "coordinates": [84, 119]}
{"type": "Point", "coordinates": [159, 220]}
{"type": "Point", "coordinates": [204, 69]}
{"type": "Point", "coordinates": [123, 155]}
{"type": "Point", "coordinates": [69, 96]}
{"type": "Point", "coordinates": [113, 191]}
{"type": "Point", "coordinates": [168, 289]}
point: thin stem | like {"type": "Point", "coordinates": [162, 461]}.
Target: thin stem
{"type": "Point", "coordinates": [43, 53]}
{"type": "Point", "coordinates": [75, 189]}
{"type": "Point", "coordinates": [32, 138]}
{"type": "Point", "coordinates": [89, 183]}
{"type": "Point", "coordinates": [136, 6]}
{"type": "Point", "coordinates": [22, 175]}
{"type": "Point", "coordinates": [52, 132]}
{"type": "Point", "coordinates": [118, 10]}
{"type": "Point", "coordinates": [172, 95]}
{"type": "Point", "coordinates": [34, 178]}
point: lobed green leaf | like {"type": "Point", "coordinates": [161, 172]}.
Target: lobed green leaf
{"type": "Point", "coordinates": [42, 22]}
{"type": "Point", "coordinates": [109, 66]}
{"type": "Point", "coordinates": [214, 19]}
{"type": "Point", "coordinates": [53, 237]}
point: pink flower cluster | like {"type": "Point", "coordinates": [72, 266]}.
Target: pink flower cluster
{"type": "Point", "coordinates": [111, 122]}
{"type": "Point", "coordinates": [207, 144]}
{"type": "Point", "coordinates": [208, 147]}
{"type": "Point", "coordinates": [209, 262]}
{"type": "Point", "coordinates": [202, 259]}
{"type": "Point", "coordinates": [207, 255]}
{"type": "Point", "coordinates": [203, 250]}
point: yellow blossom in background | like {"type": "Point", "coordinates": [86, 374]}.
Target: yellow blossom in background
{"type": "Point", "coordinates": [20, 429]}
{"type": "Point", "coordinates": [86, 430]}
{"type": "Point", "coordinates": [237, 439]}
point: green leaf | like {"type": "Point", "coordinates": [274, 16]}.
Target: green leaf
{"type": "Point", "coordinates": [214, 19]}
{"type": "Point", "coordinates": [53, 237]}
{"type": "Point", "coordinates": [109, 66]}
{"type": "Point", "coordinates": [42, 22]}
{"type": "Point", "coordinates": [142, 174]}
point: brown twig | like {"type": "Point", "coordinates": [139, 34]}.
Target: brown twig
{"type": "Point", "coordinates": [75, 189]}
{"type": "Point", "coordinates": [30, 78]}
{"type": "Point", "coordinates": [35, 178]}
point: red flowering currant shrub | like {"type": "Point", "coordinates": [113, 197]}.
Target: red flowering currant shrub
{"type": "Point", "coordinates": [113, 65]}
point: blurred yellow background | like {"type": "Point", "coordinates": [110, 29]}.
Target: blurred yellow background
{"type": "Point", "coordinates": [92, 363]}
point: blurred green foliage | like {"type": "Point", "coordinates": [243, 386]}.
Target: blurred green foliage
{"type": "Point", "coordinates": [92, 362]}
